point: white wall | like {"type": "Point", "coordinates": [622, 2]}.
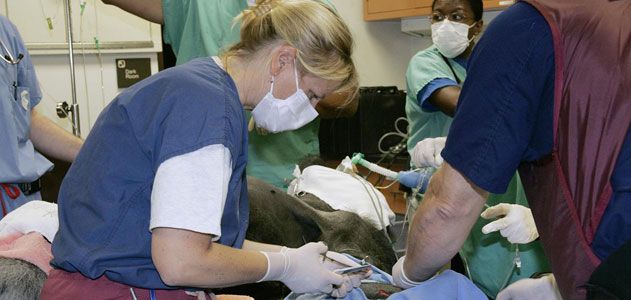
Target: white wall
{"type": "Point", "coordinates": [120, 35]}
{"type": "Point", "coordinates": [382, 51]}
{"type": "Point", "coordinates": [53, 73]}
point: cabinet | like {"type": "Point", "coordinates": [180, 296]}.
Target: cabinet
{"type": "Point", "coordinates": [375, 10]}
{"type": "Point", "coordinates": [394, 9]}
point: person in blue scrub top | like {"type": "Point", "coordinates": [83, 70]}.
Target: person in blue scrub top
{"type": "Point", "coordinates": [434, 81]}
{"type": "Point", "coordinates": [156, 202]}
{"type": "Point", "coordinates": [205, 28]}
{"type": "Point", "coordinates": [25, 132]}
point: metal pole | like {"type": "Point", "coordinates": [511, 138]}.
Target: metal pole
{"type": "Point", "coordinates": [76, 126]}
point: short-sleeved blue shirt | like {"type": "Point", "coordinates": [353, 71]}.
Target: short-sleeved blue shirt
{"type": "Point", "coordinates": [19, 93]}
{"type": "Point", "coordinates": [434, 85]}
{"type": "Point", "coordinates": [504, 116]}
{"type": "Point", "coordinates": [424, 69]}
{"type": "Point", "coordinates": [105, 198]}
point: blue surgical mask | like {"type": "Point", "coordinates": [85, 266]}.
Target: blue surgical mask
{"type": "Point", "coordinates": [276, 115]}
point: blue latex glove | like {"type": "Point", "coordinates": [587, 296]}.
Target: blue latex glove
{"type": "Point", "coordinates": [416, 179]}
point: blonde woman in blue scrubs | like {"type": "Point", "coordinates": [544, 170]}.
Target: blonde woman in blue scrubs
{"type": "Point", "coordinates": [204, 28]}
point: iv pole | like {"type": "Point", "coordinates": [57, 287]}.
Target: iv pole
{"type": "Point", "coordinates": [76, 129]}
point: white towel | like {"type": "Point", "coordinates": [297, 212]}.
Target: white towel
{"type": "Point", "coordinates": [343, 191]}
{"type": "Point", "coordinates": [33, 216]}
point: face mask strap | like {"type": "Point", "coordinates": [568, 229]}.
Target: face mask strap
{"type": "Point", "coordinates": [296, 74]}
{"type": "Point", "coordinates": [473, 37]}
{"type": "Point", "coordinates": [271, 89]}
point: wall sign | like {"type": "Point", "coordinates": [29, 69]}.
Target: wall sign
{"type": "Point", "coordinates": [132, 70]}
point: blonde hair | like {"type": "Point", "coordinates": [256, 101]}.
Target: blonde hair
{"type": "Point", "coordinates": [322, 39]}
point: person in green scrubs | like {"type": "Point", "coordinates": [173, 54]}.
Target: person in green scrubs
{"type": "Point", "coordinates": [434, 78]}
{"type": "Point", "coordinates": [206, 28]}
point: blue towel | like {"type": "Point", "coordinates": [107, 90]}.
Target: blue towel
{"type": "Point", "coordinates": [447, 285]}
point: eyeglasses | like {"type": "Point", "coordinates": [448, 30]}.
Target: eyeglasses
{"type": "Point", "coordinates": [454, 17]}
{"type": "Point", "coordinates": [8, 57]}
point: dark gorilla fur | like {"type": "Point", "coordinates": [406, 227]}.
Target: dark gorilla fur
{"type": "Point", "coordinates": [282, 219]}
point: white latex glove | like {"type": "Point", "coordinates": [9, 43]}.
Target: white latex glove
{"type": "Point", "coordinates": [334, 261]}
{"type": "Point", "coordinates": [38, 216]}
{"type": "Point", "coordinates": [302, 270]}
{"type": "Point", "coordinates": [399, 278]}
{"type": "Point", "coordinates": [515, 223]}
{"type": "Point", "coordinates": [341, 290]}
{"type": "Point", "coordinates": [531, 288]}
{"type": "Point", "coordinates": [426, 153]}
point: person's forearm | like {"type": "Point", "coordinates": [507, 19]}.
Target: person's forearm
{"type": "Point", "coordinates": [446, 99]}
{"type": "Point", "coordinates": [186, 258]}
{"type": "Point", "coordinates": [150, 10]}
{"type": "Point", "coordinates": [255, 246]}
{"type": "Point", "coordinates": [442, 222]}
{"type": "Point", "coordinates": [52, 140]}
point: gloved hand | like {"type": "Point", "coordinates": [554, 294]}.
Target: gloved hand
{"type": "Point", "coordinates": [426, 153]}
{"type": "Point", "coordinates": [302, 270]}
{"type": "Point", "coordinates": [334, 261]}
{"type": "Point", "coordinates": [531, 288]}
{"type": "Point", "coordinates": [516, 223]}
{"type": "Point", "coordinates": [399, 278]}
{"type": "Point", "coordinates": [341, 290]}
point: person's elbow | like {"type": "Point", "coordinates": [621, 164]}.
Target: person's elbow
{"type": "Point", "coordinates": [178, 255]}
{"type": "Point", "coordinates": [453, 196]}
{"type": "Point", "coordinates": [171, 266]}
{"type": "Point", "coordinates": [452, 209]}
{"type": "Point", "coordinates": [443, 210]}
{"type": "Point", "coordinates": [171, 274]}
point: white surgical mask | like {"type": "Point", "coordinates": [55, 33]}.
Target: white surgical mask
{"type": "Point", "coordinates": [276, 115]}
{"type": "Point", "coordinates": [451, 38]}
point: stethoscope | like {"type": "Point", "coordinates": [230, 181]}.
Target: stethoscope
{"type": "Point", "coordinates": [8, 57]}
